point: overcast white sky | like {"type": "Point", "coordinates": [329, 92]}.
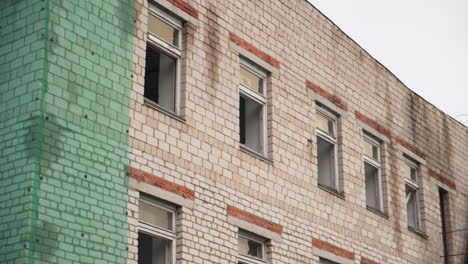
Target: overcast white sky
{"type": "Point", "coordinates": [423, 42]}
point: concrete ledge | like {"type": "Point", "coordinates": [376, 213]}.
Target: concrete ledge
{"type": "Point", "coordinates": [254, 228]}
{"type": "Point", "coordinates": [373, 132]}
{"type": "Point", "coordinates": [161, 193]}
{"type": "Point", "coordinates": [247, 54]}
{"type": "Point", "coordinates": [327, 99]}
{"type": "Point", "coordinates": [412, 155]}
{"type": "Point", "coordinates": [365, 260]}
{"type": "Point", "coordinates": [159, 182]}
{"type": "Point", "coordinates": [332, 252]}
{"type": "Point", "coordinates": [442, 179]}
{"type": "Point", "coordinates": [324, 101]}
{"type": "Point", "coordinates": [330, 256]}
{"type": "Point", "coordinates": [176, 11]}
{"type": "Point", "coordinates": [411, 150]}
{"type": "Point", "coordinates": [373, 127]}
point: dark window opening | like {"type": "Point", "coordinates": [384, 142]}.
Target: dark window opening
{"type": "Point", "coordinates": [372, 186]}
{"type": "Point", "coordinates": [160, 78]}
{"type": "Point", "coordinates": [326, 163]}
{"type": "Point", "coordinates": [153, 249]}
{"type": "Point", "coordinates": [250, 124]}
{"type": "Point", "coordinates": [242, 120]}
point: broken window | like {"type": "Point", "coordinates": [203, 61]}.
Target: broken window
{"type": "Point", "coordinates": [163, 53]}
{"type": "Point", "coordinates": [326, 148]}
{"type": "Point", "coordinates": [252, 107]}
{"type": "Point", "coordinates": [372, 171]}
{"type": "Point", "coordinates": [410, 170]}
{"type": "Point", "coordinates": [251, 248]}
{"type": "Point", "coordinates": [156, 232]}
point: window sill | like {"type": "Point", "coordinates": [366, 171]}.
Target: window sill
{"type": "Point", "coordinates": [255, 154]}
{"type": "Point", "coordinates": [157, 107]}
{"type": "Point", "coordinates": [378, 212]}
{"type": "Point", "coordinates": [418, 232]}
{"type": "Point", "coordinates": [332, 191]}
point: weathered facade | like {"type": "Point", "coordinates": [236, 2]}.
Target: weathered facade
{"type": "Point", "coordinates": [86, 145]}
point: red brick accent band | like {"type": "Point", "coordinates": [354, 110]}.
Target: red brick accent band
{"type": "Point", "coordinates": [373, 124]}
{"type": "Point", "coordinates": [450, 183]}
{"type": "Point", "coordinates": [330, 97]}
{"type": "Point", "coordinates": [411, 147]}
{"type": "Point", "coordinates": [162, 183]}
{"type": "Point", "coordinates": [231, 210]}
{"type": "Point", "coordinates": [185, 7]}
{"type": "Point", "coordinates": [332, 249]}
{"type": "Point", "coordinates": [262, 55]}
{"type": "Point", "coordinates": [365, 260]}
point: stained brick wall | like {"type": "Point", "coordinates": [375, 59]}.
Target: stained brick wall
{"type": "Point", "coordinates": [83, 192]}
{"type": "Point", "coordinates": [316, 60]}
{"type": "Point", "coordinates": [21, 57]}
{"type": "Point", "coordinates": [93, 91]}
{"type": "Point", "coordinates": [80, 196]}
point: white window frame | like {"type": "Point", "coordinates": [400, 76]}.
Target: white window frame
{"type": "Point", "coordinates": [169, 49]}
{"type": "Point", "coordinates": [244, 259]}
{"type": "Point", "coordinates": [331, 139]}
{"type": "Point", "coordinates": [414, 185]}
{"type": "Point", "coordinates": [376, 164]}
{"type": "Point", "coordinates": [156, 231]}
{"type": "Point", "coordinates": [259, 98]}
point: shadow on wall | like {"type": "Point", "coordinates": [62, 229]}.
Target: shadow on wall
{"type": "Point", "coordinates": [47, 234]}
{"type": "Point", "coordinates": [212, 48]}
{"type": "Point", "coordinates": [128, 28]}
{"type": "Point", "coordinates": [47, 241]}
{"type": "Point", "coordinates": [393, 183]}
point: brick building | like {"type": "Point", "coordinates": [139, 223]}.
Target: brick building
{"type": "Point", "coordinates": [216, 131]}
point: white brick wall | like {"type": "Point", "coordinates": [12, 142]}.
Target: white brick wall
{"type": "Point", "coordinates": [203, 153]}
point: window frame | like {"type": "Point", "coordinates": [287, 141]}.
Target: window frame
{"type": "Point", "coordinates": [155, 231]}
{"type": "Point", "coordinates": [414, 186]}
{"type": "Point", "coordinates": [260, 98]}
{"type": "Point", "coordinates": [169, 49]}
{"type": "Point", "coordinates": [376, 164]}
{"type": "Point", "coordinates": [332, 139]}
{"type": "Point", "coordinates": [245, 259]}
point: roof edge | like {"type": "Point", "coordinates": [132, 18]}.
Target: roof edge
{"type": "Point", "coordinates": [385, 67]}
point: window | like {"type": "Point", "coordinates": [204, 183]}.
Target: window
{"type": "Point", "coordinates": [163, 52]}
{"type": "Point", "coordinates": [252, 248]}
{"type": "Point", "coordinates": [410, 170]}
{"type": "Point", "coordinates": [156, 232]}
{"type": "Point", "coordinates": [326, 148]}
{"type": "Point", "coordinates": [326, 261]}
{"type": "Point", "coordinates": [252, 117]}
{"type": "Point", "coordinates": [372, 173]}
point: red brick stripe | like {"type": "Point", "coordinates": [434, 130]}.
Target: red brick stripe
{"type": "Point", "coordinates": [450, 183]}
{"type": "Point", "coordinates": [330, 97]}
{"type": "Point", "coordinates": [262, 55]}
{"type": "Point", "coordinates": [332, 249]}
{"type": "Point", "coordinates": [162, 183]}
{"type": "Point", "coordinates": [373, 124]}
{"type": "Point", "coordinates": [365, 260]}
{"type": "Point", "coordinates": [411, 147]}
{"type": "Point", "coordinates": [231, 210]}
{"type": "Point", "coordinates": [185, 7]}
